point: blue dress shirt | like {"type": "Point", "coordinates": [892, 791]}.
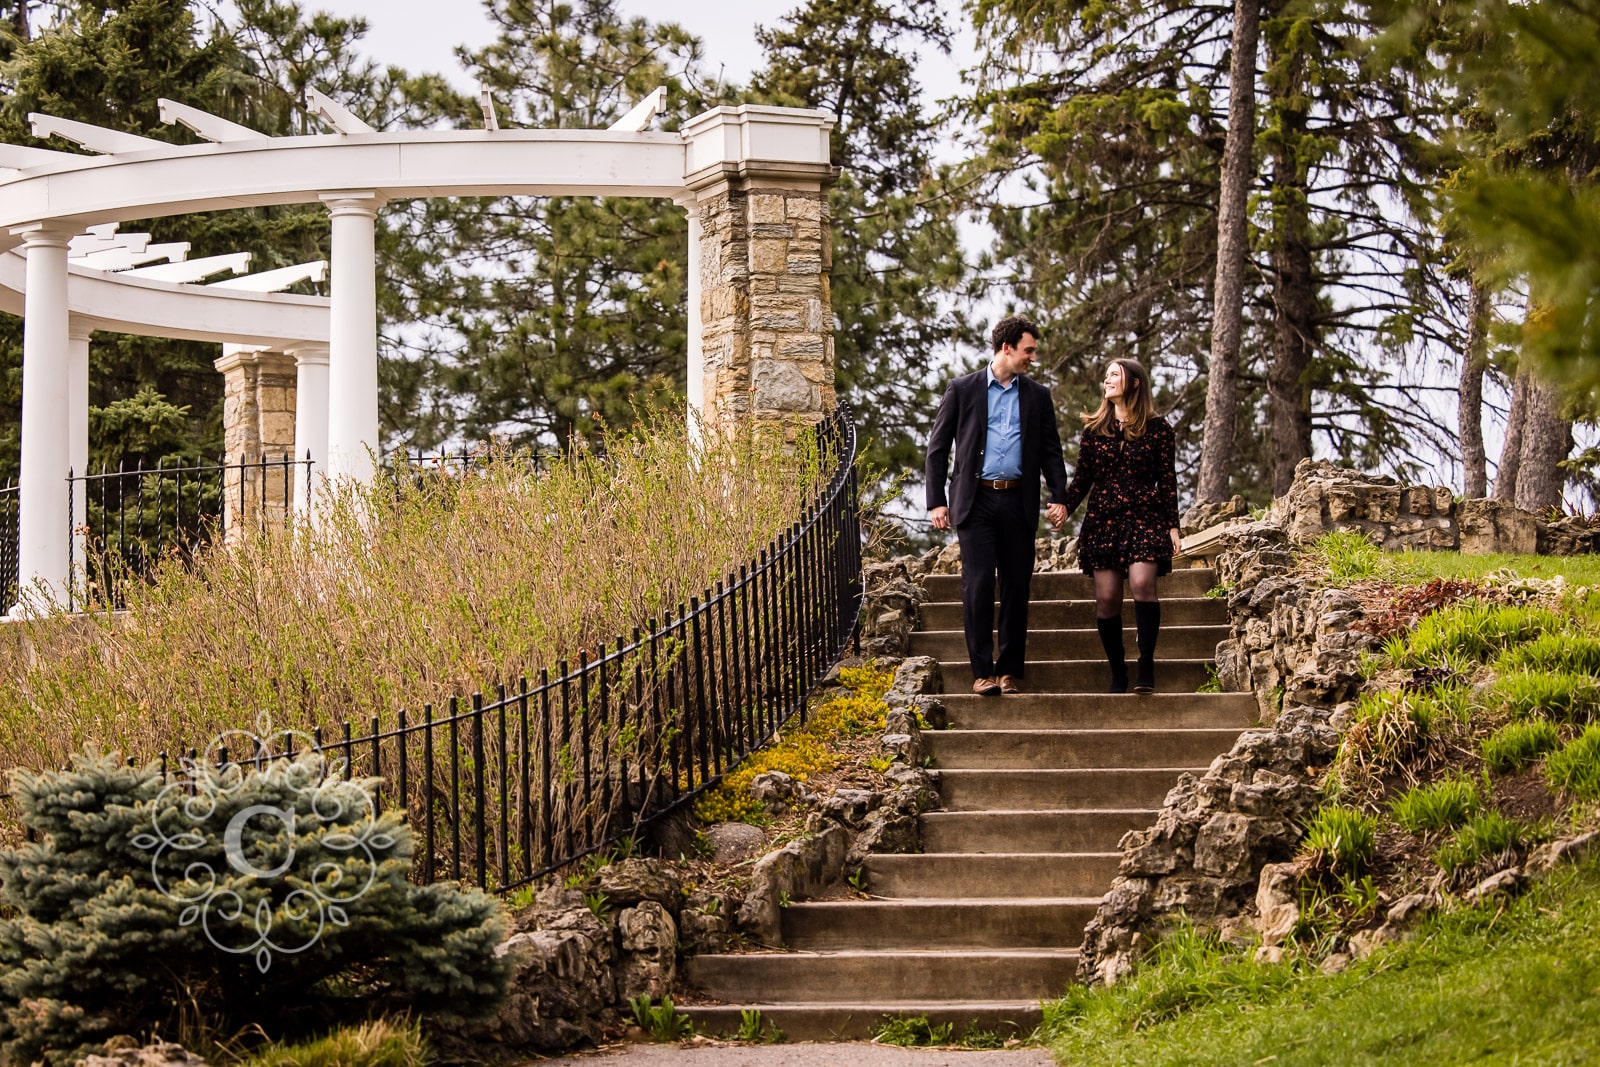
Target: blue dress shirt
{"type": "Point", "coordinates": [1002, 454]}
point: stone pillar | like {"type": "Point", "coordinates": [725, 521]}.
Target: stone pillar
{"type": "Point", "coordinates": [310, 422]}
{"type": "Point", "coordinates": [353, 336]}
{"type": "Point", "coordinates": [766, 322]}
{"type": "Point", "coordinates": [258, 422]}
{"type": "Point", "coordinates": [43, 531]}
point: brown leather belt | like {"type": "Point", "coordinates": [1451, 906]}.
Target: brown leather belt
{"type": "Point", "coordinates": [1002, 483]}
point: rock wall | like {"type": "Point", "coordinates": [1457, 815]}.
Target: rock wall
{"type": "Point", "coordinates": [1203, 859]}
{"type": "Point", "coordinates": [1326, 497]}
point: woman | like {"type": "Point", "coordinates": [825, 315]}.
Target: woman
{"type": "Point", "coordinates": [1130, 530]}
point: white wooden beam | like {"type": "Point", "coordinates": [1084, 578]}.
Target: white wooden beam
{"type": "Point", "coordinates": [335, 115]}
{"type": "Point", "coordinates": [90, 137]}
{"type": "Point", "coordinates": [643, 113]}
{"type": "Point", "coordinates": [194, 270]}
{"type": "Point", "coordinates": [273, 281]}
{"type": "Point", "coordinates": [124, 258]}
{"type": "Point", "coordinates": [21, 157]}
{"type": "Point", "coordinates": [204, 124]}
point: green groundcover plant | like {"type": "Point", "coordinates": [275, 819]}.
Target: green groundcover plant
{"type": "Point", "coordinates": [272, 899]}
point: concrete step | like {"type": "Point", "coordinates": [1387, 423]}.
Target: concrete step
{"type": "Point", "coordinates": [1086, 675]}
{"type": "Point", "coordinates": [1099, 711]}
{"type": "Point", "coordinates": [1047, 749]}
{"type": "Point", "coordinates": [1058, 790]}
{"type": "Point", "coordinates": [876, 925]}
{"type": "Point", "coordinates": [933, 875]}
{"type": "Point", "coordinates": [1031, 831]}
{"type": "Point", "coordinates": [858, 1021]}
{"type": "Point", "coordinates": [1076, 586]}
{"type": "Point", "coordinates": [1175, 642]}
{"type": "Point", "coordinates": [791, 977]}
{"type": "Point", "coordinates": [1070, 614]}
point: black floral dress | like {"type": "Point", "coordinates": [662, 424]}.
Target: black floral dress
{"type": "Point", "coordinates": [1134, 502]}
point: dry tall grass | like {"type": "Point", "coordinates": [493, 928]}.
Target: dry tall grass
{"type": "Point", "coordinates": [403, 595]}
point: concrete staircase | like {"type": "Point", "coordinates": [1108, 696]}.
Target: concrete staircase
{"type": "Point", "coordinates": [1038, 789]}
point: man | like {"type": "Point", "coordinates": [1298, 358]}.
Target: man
{"type": "Point", "coordinates": [1002, 426]}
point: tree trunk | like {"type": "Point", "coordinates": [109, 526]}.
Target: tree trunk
{"type": "Point", "coordinates": [1546, 441]}
{"type": "Point", "coordinates": [1294, 292]}
{"type": "Point", "coordinates": [1474, 361]}
{"type": "Point", "coordinates": [1505, 479]}
{"type": "Point", "coordinates": [1222, 383]}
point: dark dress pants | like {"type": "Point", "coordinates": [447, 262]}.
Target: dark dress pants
{"type": "Point", "coordinates": [996, 539]}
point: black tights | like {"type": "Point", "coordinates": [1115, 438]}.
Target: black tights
{"type": "Point", "coordinates": [1108, 588]}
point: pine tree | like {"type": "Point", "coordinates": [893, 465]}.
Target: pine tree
{"type": "Point", "coordinates": [895, 247]}
{"type": "Point", "coordinates": [134, 908]}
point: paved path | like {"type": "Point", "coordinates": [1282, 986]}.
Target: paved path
{"type": "Point", "coordinates": [853, 1054]}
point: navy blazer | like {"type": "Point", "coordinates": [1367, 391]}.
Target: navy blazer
{"type": "Point", "coordinates": [962, 425]}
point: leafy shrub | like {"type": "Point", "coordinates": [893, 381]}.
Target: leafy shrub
{"type": "Point", "coordinates": [1348, 555]}
{"type": "Point", "coordinates": [663, 1022]}
{"type": "Point", "coordinates": [804, 751]}
{"type": "Point", "coordinates": [1548, 692]}
{"type": "Point", "coordinates": [1341, 838]}
{"type": "Point", "coordinates": [1389, 729]}
{"type": "Point", "coordinates": [1477, 631]}
{"type": "Point", "coordinates": [1441, 805]}
{"type": "Point", "coordinates": [127, 914]}
{"type": "Point", "coordinates": [374, 1044]}
{"type": "Point", "coordinates": [912, 1031]}
{"type": "Point", "coordinates": [1517, 744]}
{"type": "Point", "coordinates": [1566, 653]}
{"type": "Point", "coordinates": [1575, 768]}
{"type": "Point", "coordinates": [1488, 833]}
{"type": "Point", "coordinates": [408, 593]}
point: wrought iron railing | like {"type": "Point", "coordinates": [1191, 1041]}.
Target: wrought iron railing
{"type": "Point", "coordinates": [505, 788]}
{"type": "Point", "coordinates": [122, 523]}
{"type": "Point", "coordinates": [9, 532]}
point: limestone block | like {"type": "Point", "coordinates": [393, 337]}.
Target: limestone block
{"type": "Point", "coordinates": [804, 263]}
{"type": "Point", "coordinates": [768, 255]}
{"type": "Point", "coordinates": [768, 208]}
{"type": "Point", "coordinates": [1489, 526]}
{"type": "Point", "coordinates": [1220, 848]}
{"type": "Point", "coordinates": [780, 386]}
{"type": "Point", "coordinates": [798, 346]}
{"type": "Point", "coordinates": [803, 206]}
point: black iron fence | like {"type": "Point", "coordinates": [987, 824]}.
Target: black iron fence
{"type": "Point", "coordinates": [131, 520]}
{"type": "Point", "coordinates": [9, 532]}
{"type": "Point", "coordinates": [504, 788]}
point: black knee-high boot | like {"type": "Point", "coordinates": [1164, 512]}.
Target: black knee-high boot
{"type": "Point", "coordinates": [1111, 640]}
{"type": "Point", "coordinates": [1147, 620]}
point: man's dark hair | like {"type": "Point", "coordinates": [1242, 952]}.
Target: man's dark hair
{"type": "Point", "coordinates": [1009, 331]}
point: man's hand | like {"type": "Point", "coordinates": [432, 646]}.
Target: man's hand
{"type": "Point", "coordinates": [941, 518]}
{"type": "Point", "coordinates": [1055, 515]}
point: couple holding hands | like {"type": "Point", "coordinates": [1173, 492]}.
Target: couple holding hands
{"type": "Point", "coordinates": [994, 435]}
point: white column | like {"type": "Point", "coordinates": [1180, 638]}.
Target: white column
{"type": "Point", "coordinates": [310, 422]}
{"type": "Point", "coordinates": [352, 440]}
{"type": "Point", "coordinates": [78, 432]}
{"type": "Point", "coordinates": [46, 422]}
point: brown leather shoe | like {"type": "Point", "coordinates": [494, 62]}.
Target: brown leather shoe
{"type": "Point", "coordinates": [1008, 684]}
{"type": "Point", "coordinates": [986, 687]}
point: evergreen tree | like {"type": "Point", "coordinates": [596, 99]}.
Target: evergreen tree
{"type": "Point", "coordinates": [895, 246]}
{"type": "Point", "coordinates": [1109, 111]}
{"type": "Point", "coordinates": [534, 319]}
{"type": "Point", "coordinates": [135, 908]}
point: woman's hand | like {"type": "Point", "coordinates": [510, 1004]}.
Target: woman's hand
{"type": "Point", "coordinates": [1177, 541]}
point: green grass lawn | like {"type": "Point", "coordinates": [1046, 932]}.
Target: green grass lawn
{"type": "Point", "coordinates": [1518, 984]}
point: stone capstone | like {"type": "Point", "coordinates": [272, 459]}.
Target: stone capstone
{"type": "Point", "coordinates": [734, 842]}
{"type": "Point", "coordinates": [648, 940]}
{"type": "Point", "coordinates": [797, 870]}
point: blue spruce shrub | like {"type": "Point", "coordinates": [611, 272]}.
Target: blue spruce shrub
{"type": "Point", "coordinates": [274, 898]}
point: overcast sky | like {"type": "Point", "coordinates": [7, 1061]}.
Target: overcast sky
{"type": "Point", "coordinates": [421, 35]}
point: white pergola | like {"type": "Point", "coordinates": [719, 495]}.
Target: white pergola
{"type": "Point", "coordinates": [67, 271]}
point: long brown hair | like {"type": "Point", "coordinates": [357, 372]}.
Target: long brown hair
{"type": "Point", "coordinates": [1135, 397]}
